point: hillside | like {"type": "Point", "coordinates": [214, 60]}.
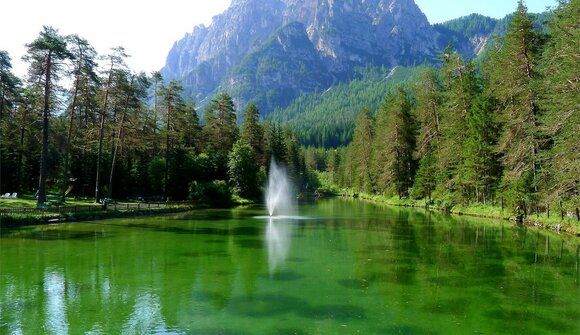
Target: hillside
{"type": "Point", "coordinates": [309, 115]}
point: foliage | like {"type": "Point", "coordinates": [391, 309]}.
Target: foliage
{"type": "Point", "coordinates": [215, 193]}
{"type": "Point", "coordinates": [326, 118]}
{"type": "Point", "coordinates": [243, 171]}
{"type": "Point", "coordinates": [465, 136]}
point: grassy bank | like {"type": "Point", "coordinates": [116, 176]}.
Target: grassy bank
{"type": "Point", "coordinates": [86, 210]}
{"type": "Point", "coordinates": [570, 225]}
{"type": "Point", "coordinates": [21, 220]}
{"type": "Point", "coordinates": [80, 210]}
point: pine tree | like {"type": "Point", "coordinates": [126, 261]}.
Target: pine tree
{"type": "Point", "coordinates": [45, 55]}
{"type": "Point", "coordinates": [253, 134]}
{"type": "Point", "coordinates": [429, 99]}
{"type": "Point", "coordinates": [85, 82]}
{"type": "Point", "coordinates": [221, 127]}
{"type": "Point", "coordinates": [561, 99]}
{"type": "Point", "coordinates": [395, 144]}
{"type": "Point", "coordinates": [480, 169]}
{"type": "Point", "coordinates": [276, 148]}
{"type": "Point", "coordinates": [243, 170]}
{"type": "Point", "coordinates": [512, 76]}
{"type": "Point", "coordinates": [360, 151]}
{"type": "Point", "coordinates": [116, 61]}
{"type": "Point", "coordinates": [9, 88]}
{"type": "Point", "coordinates": [460, 88]}
{"type": "Point", "coordinates": [429, 102]}
{"type": "Point", "coordinates": [191, 129]}
{"type": "Point", "coordinates": [173, 105]}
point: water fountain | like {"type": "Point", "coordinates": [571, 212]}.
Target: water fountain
{"type": "Point", "coordinates": [279, 193]}
{"type": "Point", "coordinates": [281, 204]}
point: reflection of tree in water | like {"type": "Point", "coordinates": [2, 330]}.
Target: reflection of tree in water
{"type": "Point", "coordinates": [420, 265]}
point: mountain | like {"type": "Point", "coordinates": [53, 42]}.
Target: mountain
{"type": "Point", "coordinates": [271, 51]}
{"type": "Point", "coordinates": [471, 35]}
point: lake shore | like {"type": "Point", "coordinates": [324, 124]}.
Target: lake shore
{"type": "Point", "coordinates": [568, 226]}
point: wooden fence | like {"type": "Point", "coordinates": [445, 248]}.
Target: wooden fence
{"type": "Point", "coordinates": [87, 208]}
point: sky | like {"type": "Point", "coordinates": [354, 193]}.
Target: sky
{"type": "Point", "coordinates": [148, 28]}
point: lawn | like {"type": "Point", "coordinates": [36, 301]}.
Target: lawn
{"type": "Point", "coordinates": [29, 201]}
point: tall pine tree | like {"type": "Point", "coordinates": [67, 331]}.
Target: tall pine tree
{"type": "Point", "coordinates": [361, 153]}
{"type": "Point", "coordinates": [46, 54]}
{"type": "Point", "coordinates": [395, 145]}
{"type": "Point", "coordinates": [560, 98]}
{"type": "Point", "coordinates": [512, 76]}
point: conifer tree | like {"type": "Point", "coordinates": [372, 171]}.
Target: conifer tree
{"type": "Point", "coordinates": [360, 152]}
{"type": "Point", "coordinates": [512, 80]}
{"type": "Point", "coordinates": [9, 87]}
{"type": "Point", "coordinates": [560, 97]}
{"type": "Point", "coordinates": [276, 148]}
{"type": "Point", "coordinates": [85, 82]}
{"type": "Point", "coordinates": [191, 129]}
{"type": "Point", "coordinates": [45, 55]}
{"type": "Point", "coordinates": [243, 170]}
{"type": "Point", "coordinates": [480, 169]}
{"type": "Point", "coordinates": [221, 127]}
{"type": "Point", "coordinates": [253, 134]}
{"type": "Point", "coordinates": [116, 61]}
{"type": "Point", "coordinates": [173, 105]}
{"type": "Point", "coordinates": [395, 145]}
{"type": "Point", "coordinates": [429, 101]}
{"type": "Point", "coordinates": [460, 88]}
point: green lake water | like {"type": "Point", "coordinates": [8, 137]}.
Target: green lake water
{"type": "Point", "coordinates": [344, 267]}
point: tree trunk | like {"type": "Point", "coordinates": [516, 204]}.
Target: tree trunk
{"type": "Point", "coordinates": [68, 140]}
{"type": "Point", "coordinates": [20, 150]}
{"type": "Point", "coordinates": [101, 131]}
{"type": "Point", "coordinates": [167, 142]}
{"type": "Point", "coordinates": [44, 151]}
{"type": "Point", "coordinates": [118, 141]}
{"type": "Point", "coordinates": [1, 117]}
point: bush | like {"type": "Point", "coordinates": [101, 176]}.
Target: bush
{"type": "Point", "coordinates": [214, 193]}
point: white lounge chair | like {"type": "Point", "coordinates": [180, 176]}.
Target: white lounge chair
{"type": "Point", "coordinates": [6, 195]}
{"type": "Point", "coordinates": [14, 195]}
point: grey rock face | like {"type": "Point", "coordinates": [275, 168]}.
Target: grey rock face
{"type": "Point", "coordinates": [270, 51]}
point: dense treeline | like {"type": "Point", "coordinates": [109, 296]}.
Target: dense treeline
{"type": "Point", "coordinates": [503, 133]}
{"type": "Point", "coordinates": [309, 115]}
{"type": "Point", "coordinates": [110, 132]}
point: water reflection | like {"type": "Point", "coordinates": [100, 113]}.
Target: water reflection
{"type": "Point", "coordinates": [278, 240]}
{"type": "Point", "coordinates": [54, 288]}
{"type": "Point", "coordinates": [146, 317]}
{"type": "Point", "coordinates": [376, 270]}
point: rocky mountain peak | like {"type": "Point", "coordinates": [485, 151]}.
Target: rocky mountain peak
{"type": "Point", "coordinates": [334, 36]}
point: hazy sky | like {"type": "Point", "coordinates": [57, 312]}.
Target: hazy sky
{"type": "Point", "coordinates": [148, 28]}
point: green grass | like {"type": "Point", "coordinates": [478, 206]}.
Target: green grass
{"type": "Point", "coordinates": [29, 201]}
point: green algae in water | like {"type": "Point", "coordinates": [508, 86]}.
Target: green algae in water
{"type": "Point", "coordinates": [352, 267]}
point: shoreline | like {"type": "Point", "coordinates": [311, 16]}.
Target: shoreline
{"type": "Point", "coordinates": [10, 222]}
{"type": "Point", "coordinates": [560, 228]}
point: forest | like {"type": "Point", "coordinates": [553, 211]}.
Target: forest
{"type": "Point", "coordinates": [85, 125]}
{"type": "Point", "coordinates": [501, 131]}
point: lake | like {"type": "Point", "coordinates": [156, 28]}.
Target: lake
{"type": "Point", "coordinates": [342, 267]}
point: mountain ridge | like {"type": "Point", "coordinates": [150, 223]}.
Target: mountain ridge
{"type": "Point", "coordinates": [344, 34]}
{"type": "Point", "coordinates": [242, 53]}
